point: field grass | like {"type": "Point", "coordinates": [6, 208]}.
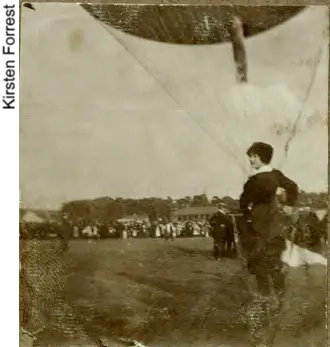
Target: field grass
{"type": "Point", "coordinates": [163, 294]}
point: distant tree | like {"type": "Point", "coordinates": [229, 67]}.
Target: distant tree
{"type": "Point", "coordinates": [200, 200]}
{"type": "Point", "coordinates": [102, 209]}
{"type": "Point", "coordinates": [304, 199]}
{"type": "Point", "coordinates": [215, 200]}
{"type": "Point", "coordinates": [314, 200]}
{"type": "Point", "coordinates": [78, 210]}
{"type": "Point", "coordinates": [229, 202]}
{"type": "Point", "coordinates": [188, 199]}
{"type": "Point", "coordinates": [163, 207]}
{"type": "Point", "coordinates": [106, 209]}
{"type": "Point", "coordinates": [319, 200]}
{"type": "Point", "coordinates": [153, 213]}
{"type": "Point", "coordinates": [118, 210]}
{"type": "Point", "coordinates": [183, 202]}
{"type": "Point", "coordinates": [169, 200]}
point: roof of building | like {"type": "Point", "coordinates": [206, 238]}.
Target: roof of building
{"type": "Point", "coordinates": [36, 215]}
{"type": "Point", "coordinates": [138, 218]}
{"type": "Point", "coordinates": [31, 217]}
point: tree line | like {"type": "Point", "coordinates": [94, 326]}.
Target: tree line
{"type": "Point", "coordinates": [107, 209]}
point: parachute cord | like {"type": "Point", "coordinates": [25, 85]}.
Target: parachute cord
{"type": "Point", "coordinates": [230, 137]}
{"type": "Point", "coordinates": [300, 114]}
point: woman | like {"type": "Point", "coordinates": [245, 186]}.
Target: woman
{"type": "Point", "coordinates": [264, 242]}
{"type": "Point", "coordinates": [259, 206]}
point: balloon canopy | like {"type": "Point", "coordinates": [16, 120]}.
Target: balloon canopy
{"type": "Point", "coordinates": [181, 24]}
{"type": "Point", "coordinates": [266, 114]}
{"type": "Point", "coordinates": [106, 113]}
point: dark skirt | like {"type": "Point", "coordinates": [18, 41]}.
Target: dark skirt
{"type": "Point", "coordinates": [262, 239]}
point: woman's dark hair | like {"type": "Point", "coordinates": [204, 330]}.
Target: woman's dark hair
{"type": "Point", "coordinates": [263, 150]}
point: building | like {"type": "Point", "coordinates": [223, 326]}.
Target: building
{"type": "Point", "coordinates": [194, 213]}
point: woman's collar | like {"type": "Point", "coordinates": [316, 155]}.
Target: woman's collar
{"type": "Point", "coordinates": [222, 211]}
{"type": "Point", "coordinates": [264, 168]}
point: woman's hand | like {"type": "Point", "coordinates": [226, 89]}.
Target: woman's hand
{"type": "Point", "coordinates": [288, 210]}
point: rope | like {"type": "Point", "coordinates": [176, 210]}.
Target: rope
{"type": "Point", "coordinates": [300, 114]}
{"type": "Point", "coordinates": [239, 52]}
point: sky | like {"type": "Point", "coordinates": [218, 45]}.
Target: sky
{"type": "Point", "coordinates": [103, 113]}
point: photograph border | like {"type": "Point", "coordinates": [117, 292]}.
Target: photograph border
{"type": "Point", "coordinates": [232, 2]}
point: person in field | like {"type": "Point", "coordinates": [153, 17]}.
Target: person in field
{"type": "Point", "coordinates": [259, 207]}
{"type": "Point", "coordinates": [262, 216]}
{"type": "Point", "coordinates": [65, 233]}
{"type": "Point", "coordinates": [169, 230]}
{"type": "Point", "coordinates": [222, 233]}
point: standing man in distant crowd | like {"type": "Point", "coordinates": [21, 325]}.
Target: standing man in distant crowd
{"type": "Point", "coordinates": [169, 230]}
{"type": "Point", "coordinates": [66, 230]}
{"type": "Point", "coordinates": [260, 210]}
{"type": "Point", "coordinates": [222, 233]}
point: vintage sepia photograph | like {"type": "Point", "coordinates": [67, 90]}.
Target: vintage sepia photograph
{"type": "Point", "coordinates": [173, 175]}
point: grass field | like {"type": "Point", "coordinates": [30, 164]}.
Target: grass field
{"type": "Point", "coordinates": [163, 294]}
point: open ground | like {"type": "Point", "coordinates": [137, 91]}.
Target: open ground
{"type": "Point", "coordinates": [161, 293]}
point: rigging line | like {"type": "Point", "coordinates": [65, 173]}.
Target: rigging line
{"type": "Point", "coordinates": [220, 121]}
{"type": "Point", "coordinates": [301, 112]}
{"type": "Point", "coordinates": [229, 151]}
{"type": "Point", "coordinates": [225, 142]}
{"type": "Point", "coordinates": [237, 117]}
{"type": "Point", "coordinates": [223, 145]}
{"type": "Point", "coordinates": [171, 96]}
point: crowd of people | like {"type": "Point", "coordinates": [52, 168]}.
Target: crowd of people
{"type": "Point", "coordinates": [162, 228]}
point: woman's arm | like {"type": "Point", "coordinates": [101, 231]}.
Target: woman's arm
{"type": "Point", "coordinates": [290, 187]}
